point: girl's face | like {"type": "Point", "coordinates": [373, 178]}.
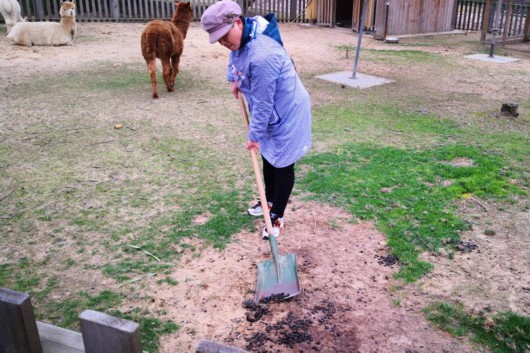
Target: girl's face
{"type": "Point", "coordinates": [232, 40]}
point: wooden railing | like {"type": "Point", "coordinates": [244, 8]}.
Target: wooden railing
{"type": "Point", "coordinates": [471, 14]}
{"type": "Point", "coordinates": [100, 333]}
{"type": "Point", "coordinates": [145, 10]}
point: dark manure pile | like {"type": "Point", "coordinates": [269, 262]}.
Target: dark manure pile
{"type": "Point", "coordinates": [389, 260]}
{"type": "Point", "coordinates": [300, 331]}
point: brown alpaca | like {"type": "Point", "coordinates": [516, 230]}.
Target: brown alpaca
{"type": "Point", "coordinates": [165, 40]}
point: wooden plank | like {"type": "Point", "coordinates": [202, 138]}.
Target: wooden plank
{"type": "Point", "coordinates": [39, 9]}
{"type": "Point", "coordinates": [56, 13]}
{"type": "Point", "coordinates": [205, 346]}
{"type": "Point", "coordinates": [18, 333]}
{"type": "Point", "coordinates": [114, 9]}
{"type": "Point", "coordinates": [86, 7]}
{"type": "Point", "coordinates": [458, 20]}
{"type": "Point", "coordinates": [355, 15]}
{"type": "Point", "coordinates": [292, 10]}
{"type": "Point", "coordinates": [100, 9]}
{"type": "Point", "coordinates": [90, 7]}
{"type": "Point", "coordinates": [59, 340]}
{"type": "Point", "coordinates": [26, 11]}
{"type": "Point", "coordinates": [527, 26]}
{"type": "Point", "coordinates": [518, 23]}
{"type": "Point", "coordinates": [49, 9]}
{"type": "Point", "coordinates": [103, 333]}
{"type": "Point", "coordinates": [134, 10]}
{"type": "Point", "coordinates": [507, 23]}
{"type": "Point", "coordinates": [106, 9]}
{"type": "Point", "coordinates": [401, 21]}
{"type": "Point", "coordinates": [454, 13]}
{"type": "Point", "coordinates": [485, 20]}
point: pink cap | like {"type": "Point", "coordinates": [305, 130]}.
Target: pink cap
{"type": "Point", "coordinates": [217, 20]}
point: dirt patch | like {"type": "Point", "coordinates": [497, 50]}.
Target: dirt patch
{"type": "Point", "coordinates": [345, 304]}
{"type": "Point", "coordinates": [461, 162]}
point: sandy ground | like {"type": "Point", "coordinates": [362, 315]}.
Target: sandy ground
{"type": "Point", "coordinates": [345, 293]}
{"type": "Point", "coordinates": [350, 302]}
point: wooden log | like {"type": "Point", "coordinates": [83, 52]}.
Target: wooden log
{"type": "Point", "coordinates": [104, 333]}
{"type": "Point", "coordinates": [18, 329]}
{"type": "Point", "coordinates": [486, 20]}
{"type": "Point", "coordinates": [205, 346]}
{"type": "Point", "coordinates": [59, 340]}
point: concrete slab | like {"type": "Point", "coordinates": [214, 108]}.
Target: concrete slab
{"type": "Point", "coordinates": [495, 59]}
{"type": "Point", "coordinates": [429, 34]}
{"type": "Point", "coordinates": [360, 81]}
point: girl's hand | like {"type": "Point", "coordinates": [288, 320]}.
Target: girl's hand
{"type": "Point", "coordinates": [234, 89]}
{"type": "Point", "coordinates": [251, 145]}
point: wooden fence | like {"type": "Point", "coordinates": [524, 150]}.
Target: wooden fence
{"type": "Point", "coordinates": [470, 15]}
{"type": "Point", "coordinates": [145, 10]}
{"type": "Point", "coordinates": [100, 333]}
{"type": "Point", "coordinates": [413, 16]}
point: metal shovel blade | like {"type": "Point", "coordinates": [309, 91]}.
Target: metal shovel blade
{"type": "Point", "coordinates": [277, 277]}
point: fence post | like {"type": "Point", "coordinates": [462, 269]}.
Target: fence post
{"type": "Point", "coordinates": [292, 11]}
{"type": "Point", "coordinates": [18, 329]}
{"type": "Point", "coordinates": [39, 10]}
{"type": "Point", "coordinates": [104, 333]}
{"type": "Point", "coordinates": [486, 20]}
{"type": "Point", "coordinates": [527, 25]}
{"type": "Point", "coordinates": [114, 9]}
{"type": "Point", "coordinates": [507, 23]}
{"type": "Point", "coordinates": [454, 14]}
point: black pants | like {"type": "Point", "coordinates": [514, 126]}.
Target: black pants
{"type": "Point", "coordinates": [279, 183]}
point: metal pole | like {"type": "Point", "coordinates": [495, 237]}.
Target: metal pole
{"type": "Point", "coordinates": [496, 27]}
{"type": "Point", "coordinates": [361, 29]}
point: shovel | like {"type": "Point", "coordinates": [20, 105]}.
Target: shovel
{"type": "Point", "coordinates": [277, 278]}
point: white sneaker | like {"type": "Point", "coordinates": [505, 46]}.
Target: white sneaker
{"type": "Point", "coordinates": [256, 210]}
{"type": "Point", "coordinates": [277, 228]}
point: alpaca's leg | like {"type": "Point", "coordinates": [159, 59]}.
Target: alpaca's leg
{"type": "Point", "coordinates": [166, 73]}
{"type": "Point", "coordinates": [9, 23]}
{"type": "Point", "coordinates": [175, 59]}
{"type": "Point", "coordinates": [151, 67]}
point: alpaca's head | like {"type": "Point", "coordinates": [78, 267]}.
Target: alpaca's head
{"type": "Point", "coordinates": [183, 7]}
{"type": "Point", "coordinates": [67, 9]}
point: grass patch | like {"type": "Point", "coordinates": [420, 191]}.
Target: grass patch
{"type": "Point", "coordinates": [406, 55]}
{"type": "Point", "coordinates": [66, 313]}
{"type": "Point", "coordinates": [225, 210]}
{"type": "Point", "coordinates": [409, 194]}
{"type": "Point", "coordinates": [152, 329]}
{"type": "Point", "coordinates": [383, 123]}
{"type": "Point", "coordinates": [403, 56]}
{"type": "Point", "coordinates": [84, 188]}
{"type": "Point", "coordinates": [504, 332]}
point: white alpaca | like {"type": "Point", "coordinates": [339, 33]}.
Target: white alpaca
{"type": "Point", "coordinates": [47, 33]}
{"type": "Point", "coordinates": [10, 10]}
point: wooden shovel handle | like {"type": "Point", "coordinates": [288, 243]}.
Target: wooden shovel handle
{"type": "Point", "coordinates": [253, 155]}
